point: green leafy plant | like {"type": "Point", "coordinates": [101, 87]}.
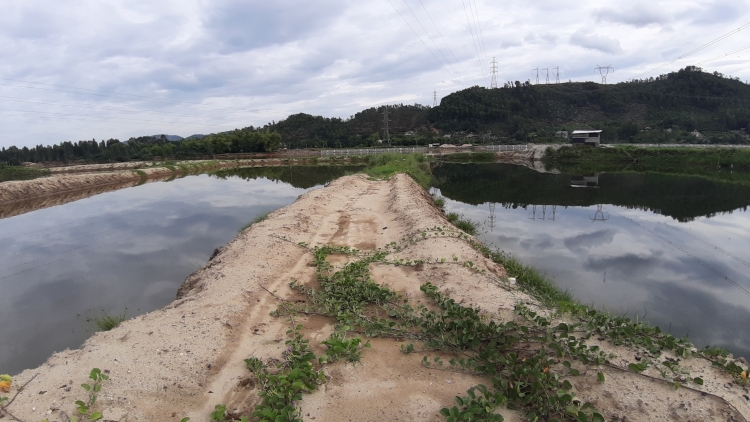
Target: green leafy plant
{"type": "Point", "coordinates": [85, 408]}
{"type": "Point", "coordinates": [281, 391]}
{"type": "Point", "coordinates": [220, 415]}
{"type": "Point", "coordinates": [475, 407]}
{"type": "Point", "coordinates": [341, 348]}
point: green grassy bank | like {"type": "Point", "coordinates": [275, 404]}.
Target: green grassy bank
{"type": "Point", "coordinates": [8, 173]}
{"type": "Point", "coordinates": [716, 163]}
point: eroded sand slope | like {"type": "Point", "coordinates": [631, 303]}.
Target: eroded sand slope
{"type": "Point", "coordinates": [186, 358]}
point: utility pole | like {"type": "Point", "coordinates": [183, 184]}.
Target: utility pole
{"type": "Point", "coordinates": [546, 82]}
{"type": "Point", "coordinates": [434, 98]}
{"type": "Point", "coordinates": [493, 84]}
{"type": "Point", "coordinates": [604, 71]}
{"type": "Point", "coordinates": [536, 74]}
{"type": "Point", "coordinates": [557, 74]}
{"type": "Point", "coordinates": [385, 125]}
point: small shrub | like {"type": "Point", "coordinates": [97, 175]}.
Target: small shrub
{"type": "Point", "coordinates": [106, 322]}
{"type": "Point", "coordinates": [467, 226]}
{"type": "Point", "coordinates": [258, 219]}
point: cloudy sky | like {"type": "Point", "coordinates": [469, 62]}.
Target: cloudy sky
{"type": "Point", "coordinates": [86, 69]}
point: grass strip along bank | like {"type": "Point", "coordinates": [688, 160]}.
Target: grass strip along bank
{"type": "Point", "coordinates": [8, 173]}
{"type": "Point", "coordinates": [528, 363]}
{"type": "Point", "coordinates": [729, 164]}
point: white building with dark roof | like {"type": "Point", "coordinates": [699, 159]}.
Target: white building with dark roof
{"type": "Point", "coordinates": [586, 137]}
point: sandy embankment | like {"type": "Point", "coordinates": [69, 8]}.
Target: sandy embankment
{"type": "Point", "coordinates": [18, 197]}
{"type": "Point", "coordinates": [184, 359]}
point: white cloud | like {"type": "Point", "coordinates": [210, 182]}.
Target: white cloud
{"type": "Point", "coordinates": [638, 15]}
{"type": "Point", "coordinates": [596, 42]}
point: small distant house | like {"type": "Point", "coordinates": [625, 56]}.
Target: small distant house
{"type": "Point", "coordinates": [410, 133]}
{"type": "Point", "coordinates": [586, 137]}
{"type": "Point", "coordinates": [447, 135]}
{"type": "Point", "coordinates": [562, 134]}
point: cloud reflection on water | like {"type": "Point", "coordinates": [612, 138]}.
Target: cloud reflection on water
{"type": "Point", "coordinates": [624, 268]}
{"type": "Point", "coordinates": [130, 248]}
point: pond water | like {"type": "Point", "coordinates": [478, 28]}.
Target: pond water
{"type": "Point", "coordinates": [130, 248]}
{"type": "Point", "coordinates": [669, 249]}
{"type": "Point", "coordinates": [672, 250]}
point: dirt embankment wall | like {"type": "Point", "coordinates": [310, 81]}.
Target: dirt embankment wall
{"type": "Point", "coordinates": [186, 358]}
{"type": "Point", "coordinates": [17, 197]}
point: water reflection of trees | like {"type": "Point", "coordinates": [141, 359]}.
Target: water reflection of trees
{"type": "Point", "coordinates": [681, 197]}
{"type": "Point", "coordinates": [298, 176]}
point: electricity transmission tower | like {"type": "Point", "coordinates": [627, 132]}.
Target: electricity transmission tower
{"type": "Point", "coordinates": [557, 74]}
{"type": "Point", "coordinates": [536, 74]}
{"type": "Point", "coordinates": [385, 125]}
{"type": "Point", "coordinates": [604, 71]}
{"type": "Point", "coordinates": [598, 215]}
{"type": "Point", "coordinates": [434, 98]}
{"type": "Point", "coordinates": [492, 216]}
{"type": "Point", "coordinates": [546, 82]}
{"type": "Point", "coordinates": [493, 70]}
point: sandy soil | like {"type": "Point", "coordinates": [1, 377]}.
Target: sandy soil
{"type": "Point", "coordinates": [84, 181]}
{"type": "Point", "coordinates": [184, 359]}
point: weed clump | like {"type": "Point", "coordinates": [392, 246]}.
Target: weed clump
{"type": "Point", "coordinates": [256, 220]}
{"type": "Point", "coordinates": [465, 225]}
{"type": "Point", "coordinates": [106, 322]}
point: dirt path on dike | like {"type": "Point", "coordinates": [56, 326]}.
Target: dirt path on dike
{"type": "Point", "coordinates": [186, 358]}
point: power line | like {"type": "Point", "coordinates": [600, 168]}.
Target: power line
{"type": "Point", "coordinates": [723, 55]}
{"type": "Point", "coordinates": [443, 38]}
{"type": "Point", "coordinates": [708, 44]}
{"type": "Point", "coordinates": [420, 38]}
{"type": "Point", "coordinates": [208, 107]}
{"type": "Point", "coordinates": [88, 105]}
{"type": "Point", "coordinates": [695, 258]}
{"type": "Point", "coordinates": [74, 87]}
{"type": "Point", "coordinates": [481, 67]}
{"type": "Point", "coordinates": [479, 27]}
{"type": "Point", "coordinates": [428, 34]}
{"type": "Point", "coordinates": [98, 118]}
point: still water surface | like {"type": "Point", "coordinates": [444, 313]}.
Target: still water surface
{"type": "Point", "coordinates": [673, 250]}
{"type": "Point", "coordinates": [670, 249]}
{"type": "Point", "coordinates": [130, 248]}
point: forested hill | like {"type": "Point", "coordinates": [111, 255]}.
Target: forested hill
{"type": "Point", "coordinates": [683, 101]}
{"type": "Point", "coordinates": [663, 109]}
{"type": "Point", "coordinates": [364, 128]}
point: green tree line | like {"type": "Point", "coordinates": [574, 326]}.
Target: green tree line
{"type": "Point", "coordinates": [146, 148]}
